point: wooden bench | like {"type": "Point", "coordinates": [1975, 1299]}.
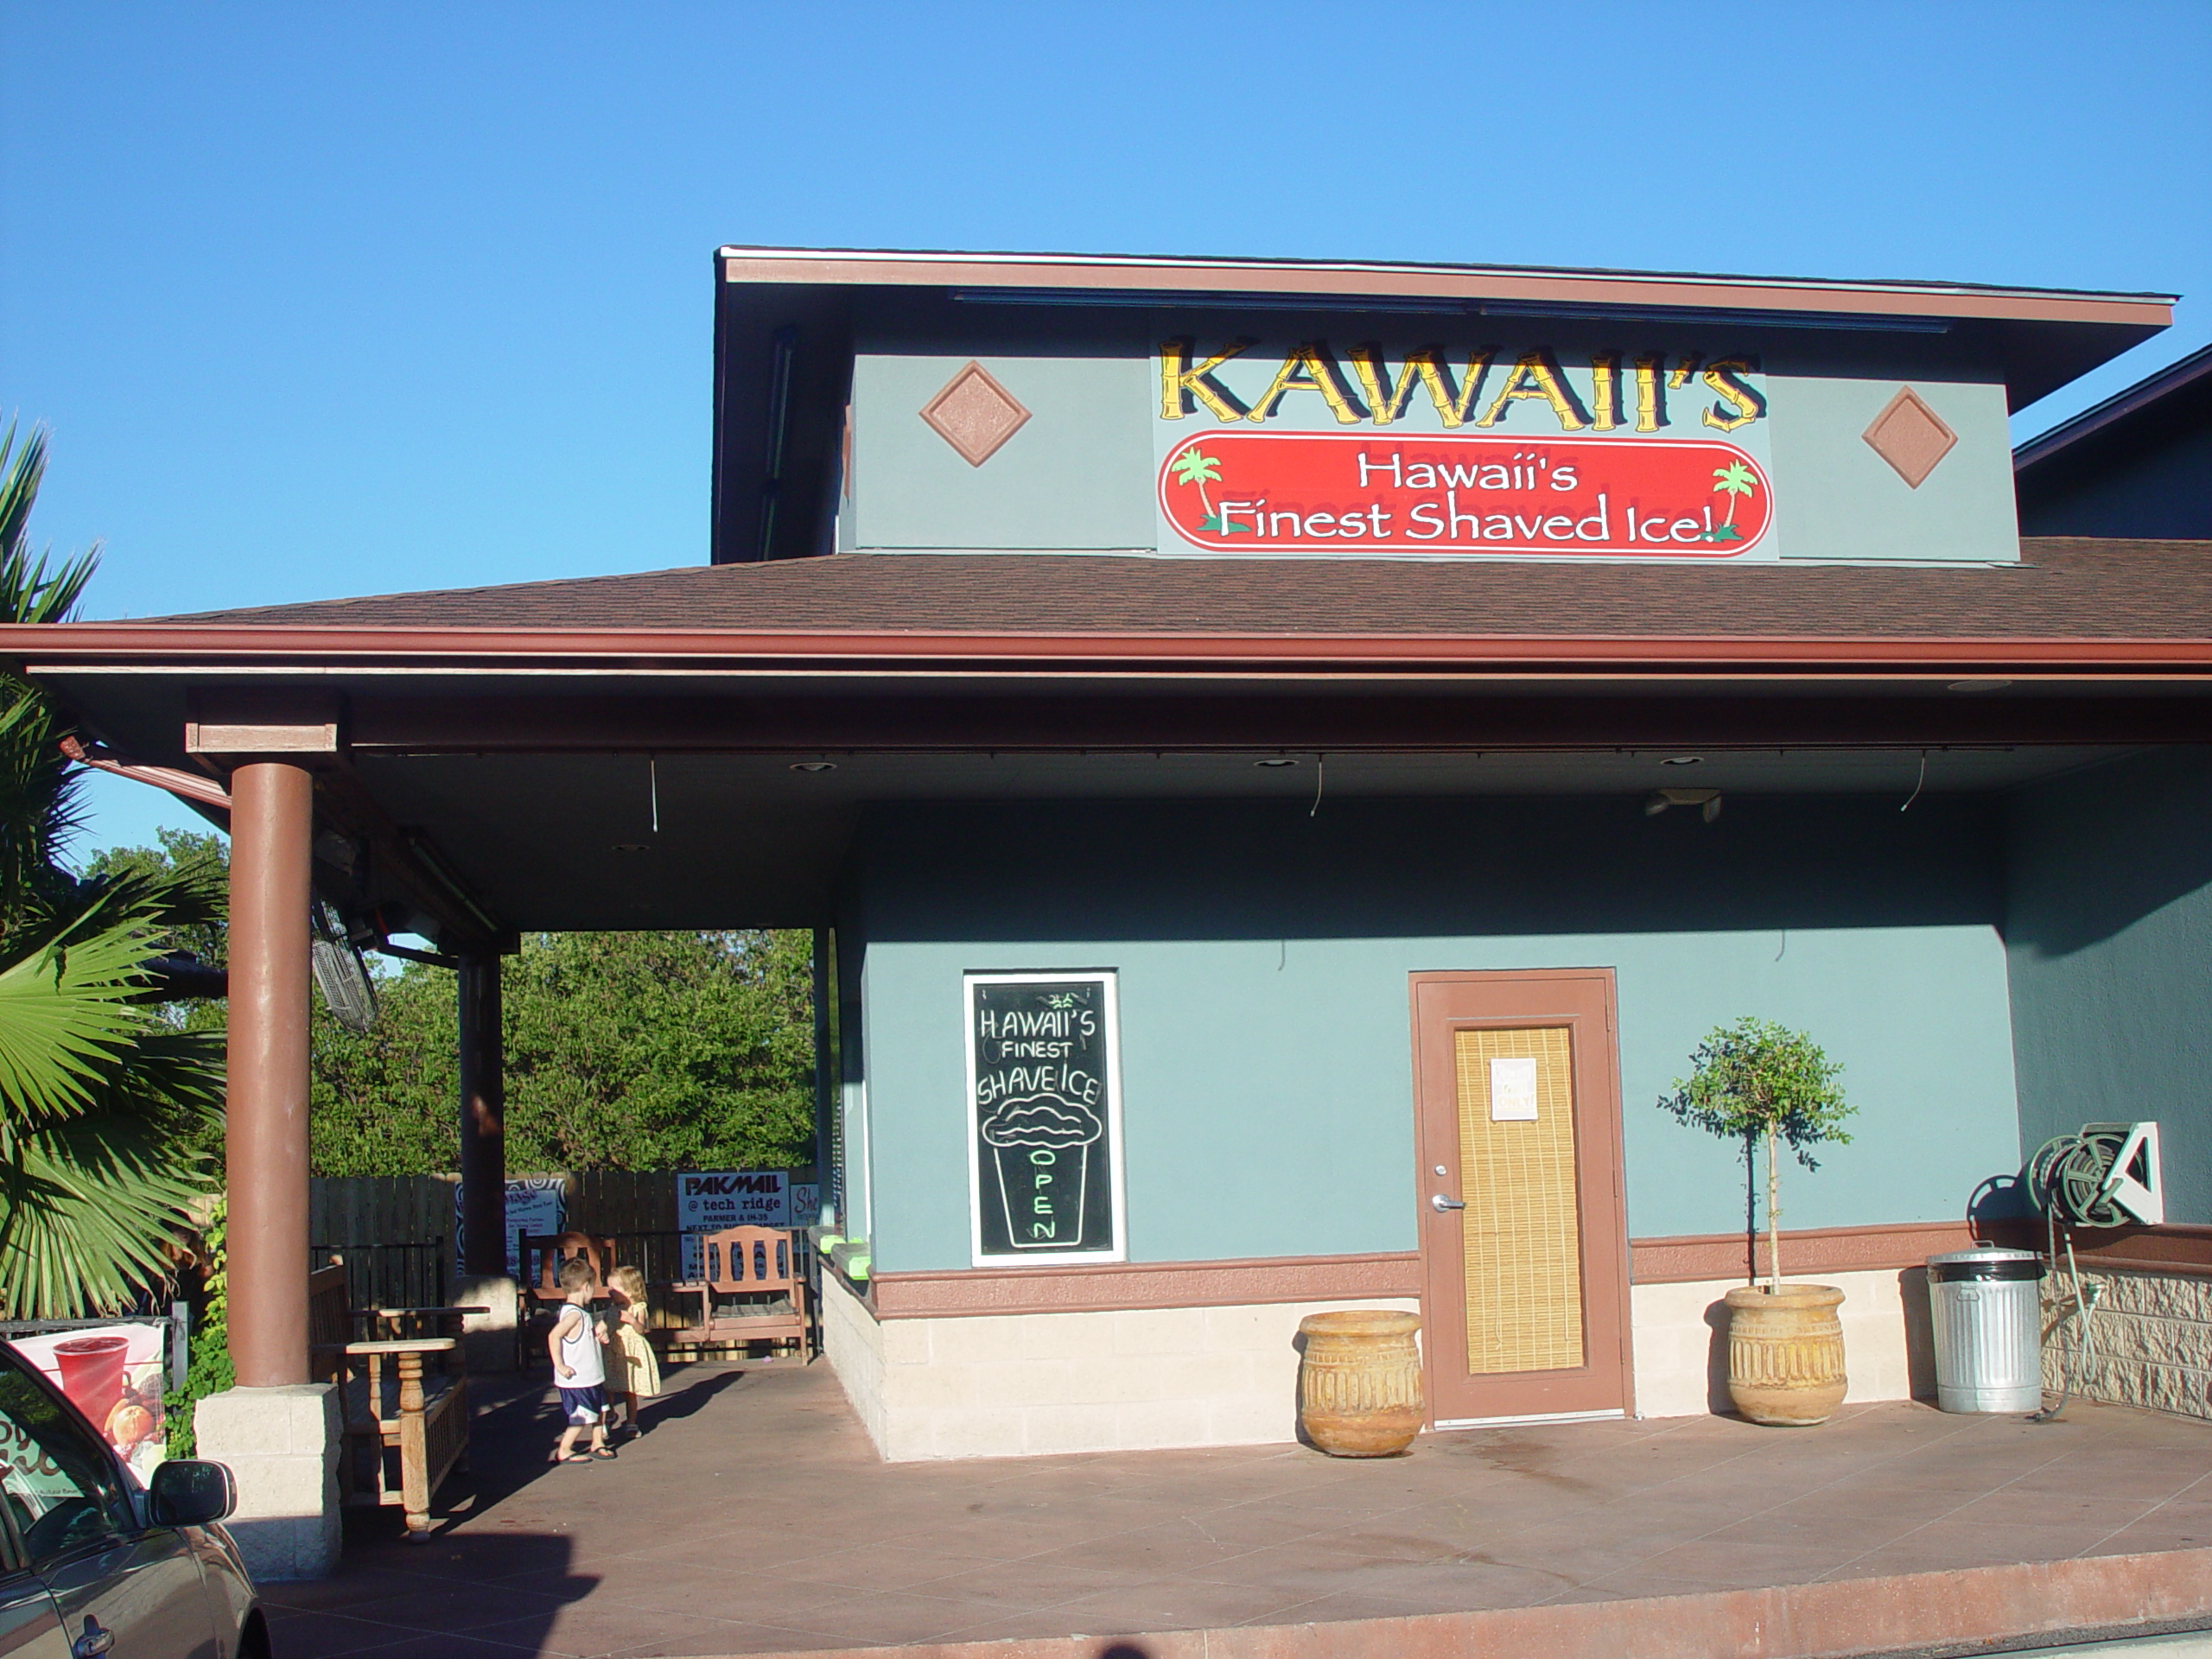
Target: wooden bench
{"type": "Point", "coordinates": [403, 1434]}
{"type": "Point", "coordinates": [751, 1291]}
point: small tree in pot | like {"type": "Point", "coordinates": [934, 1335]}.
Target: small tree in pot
{"type": "Point", "coordinates": [1756, 1081]}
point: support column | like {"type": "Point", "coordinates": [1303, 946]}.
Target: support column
{"type": "Point", "coordinates": [266, 1127]}
{"type": "Point", "coordinates": [489, 1338]}
{"type": "Point", "coordinates": [483, 1116]}
{"type": "Point", "coordinates": [279, 1433]}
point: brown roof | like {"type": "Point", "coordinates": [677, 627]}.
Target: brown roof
{"type": "Point", "coordinates": [2063, 587]}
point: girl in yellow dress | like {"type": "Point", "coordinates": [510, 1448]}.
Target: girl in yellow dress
{"type": "Point", "coordinates": [632, 1369]}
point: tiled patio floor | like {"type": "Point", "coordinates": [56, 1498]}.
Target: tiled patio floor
{"type": "Point", "coordinates": [755, 1518]}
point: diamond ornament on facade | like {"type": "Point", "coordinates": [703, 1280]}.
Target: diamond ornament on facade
{"type": "Point", "coordinates": [975, 414]}
{"type": "Point", "coordinates": [1910, 436]}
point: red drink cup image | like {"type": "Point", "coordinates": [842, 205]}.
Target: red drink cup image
{"type": "Point", "coordinates": [91, 1372]}
{"type": "Point", "coordinates": [1042, 1145]}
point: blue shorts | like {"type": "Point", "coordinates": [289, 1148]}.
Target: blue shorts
{"type": "Point", "coordinates": [585, 1406]}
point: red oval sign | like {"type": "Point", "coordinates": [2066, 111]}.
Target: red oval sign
{"type": "Point", "coordinates": [1288, 492]}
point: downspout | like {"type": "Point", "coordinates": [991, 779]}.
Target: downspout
{"type": "Point", "coordinates": [825, 1073]}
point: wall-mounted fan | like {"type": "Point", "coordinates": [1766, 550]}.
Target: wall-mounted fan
{"type": "Point", "coordinates": [340, 973]}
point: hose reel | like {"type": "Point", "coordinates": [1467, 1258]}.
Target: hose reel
{"type": "Point", "coordinates": [2105, 1175]}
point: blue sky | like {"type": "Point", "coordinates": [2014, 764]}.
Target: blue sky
{"type": "Point", "coordinates": [340, 298]}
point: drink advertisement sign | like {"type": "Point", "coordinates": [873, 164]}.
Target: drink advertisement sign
{"type": "Point", "coordinates": [114, 1374]}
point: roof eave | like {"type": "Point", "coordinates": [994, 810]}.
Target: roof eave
{"type": "Point", "coordinates": [81, 648]}
{"type": "Point", "coordinates": [2128, 401]}
{"type": "Point", "coordinates": [1327, 280]}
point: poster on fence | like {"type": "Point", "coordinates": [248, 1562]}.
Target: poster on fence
{"type": "Point", "coordinates": [536, 1203]}
{"type": "Point", "coordinates": [113, 1373]}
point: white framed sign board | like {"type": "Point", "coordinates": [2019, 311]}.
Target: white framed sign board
{"type": "Point", "coordinates": [1044, 1181]}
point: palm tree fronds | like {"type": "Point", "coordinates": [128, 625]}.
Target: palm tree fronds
{"type": "Point", "coordinates": [89, 1212]}
{"type": "Point", "coordinates": [65, 1016]}
{"type": "Point", "coordinates": [29, 591]}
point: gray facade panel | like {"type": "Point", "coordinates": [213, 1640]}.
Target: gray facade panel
{"type": "Point", "coordinates": [2109, 933]}
{"type": "Point", "coordinates": [1838, 500]}
{"type": "Point", "coordinates": [1076, 476]}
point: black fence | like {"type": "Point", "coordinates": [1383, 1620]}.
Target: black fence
{"type": "Point", "coordinates": [410, 1275]}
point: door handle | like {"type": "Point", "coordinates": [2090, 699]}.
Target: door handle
{"type": "Point", "coordinates": [1441, 1205]}
{"type": "Point", "coordinates": [94, 1640]}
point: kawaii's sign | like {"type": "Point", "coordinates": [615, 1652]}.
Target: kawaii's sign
{"type": "Point", "coordinates": [1619, 455]}
{"type": "Point", "coordinates": [1045, 1124]}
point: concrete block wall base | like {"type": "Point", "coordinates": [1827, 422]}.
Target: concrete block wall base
{"type": "Point", "coordinates": [282, 1444]}
{"type": "Point", "coordinates": [488, 1340]}
{"type": "Point", "coordinates": [1681, 1341]}
{"type": "Point", "coordinates": [1972, 1610]}
{"type": "Point", "coordinates": [2150, 1334]}
{"type": "Point", "coordinates": [1043, 1384]}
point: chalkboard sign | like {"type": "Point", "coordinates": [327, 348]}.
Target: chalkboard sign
{"type": "Point", "coordinates": [1044, 1118]}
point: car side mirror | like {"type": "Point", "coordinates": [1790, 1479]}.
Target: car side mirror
{"type": "Point", "coordinates": [191, 1492]}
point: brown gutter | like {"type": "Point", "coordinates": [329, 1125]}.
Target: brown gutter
{"type": "Point", "coordinates": [80, 645]}
{"type": "Point", "coordinates": [190, 786]}
{"type": "Point", "coordinates": [1078, 273]}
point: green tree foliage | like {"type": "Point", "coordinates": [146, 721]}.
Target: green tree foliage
{"type": "Point", "coordinates": [102, 1101]}
{"type": "Point", "coordinates": [624, 1050]}
{"type": "Point", "coordinates": [1756, 1081]}
{"type": "Point", "coordinates": [207, 1364]}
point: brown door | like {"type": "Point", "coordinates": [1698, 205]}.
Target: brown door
{"type": "Point", "coordinates": [1523, 1240]}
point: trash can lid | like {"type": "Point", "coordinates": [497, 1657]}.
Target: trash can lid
{"type": "Point", "coordinates": [1985, 1262]}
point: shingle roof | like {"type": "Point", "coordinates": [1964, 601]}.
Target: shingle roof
{"type": "Point", "coordinates": [2065, 587]}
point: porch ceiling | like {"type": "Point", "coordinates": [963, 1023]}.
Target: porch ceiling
{"type": "Point", "coordinates": [568, 841]}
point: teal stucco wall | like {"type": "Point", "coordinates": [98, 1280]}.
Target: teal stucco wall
{"type": "Point", "coordinates": [2109, 930]}
{"type": "Point", "coordinates": [1263, 957]}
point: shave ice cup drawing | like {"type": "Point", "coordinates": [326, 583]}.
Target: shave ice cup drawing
{"type": "Point", "coordinates": [1042, 1145]}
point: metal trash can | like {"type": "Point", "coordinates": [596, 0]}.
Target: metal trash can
{"type": "Point", "coordinates": [1988, 1305]}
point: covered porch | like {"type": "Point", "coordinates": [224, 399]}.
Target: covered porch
{"type": "Point", "coordinates": [755, 1517]}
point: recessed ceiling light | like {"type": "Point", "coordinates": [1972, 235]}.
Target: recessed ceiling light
{"type": "Point", "coordinates": [629, 846]}
{"type": "Point", "coordinates": [1279, 760]}
{"type": "Point", "coordinates": [1683, 760]}
{"type": "Point", "coordinates": [1979, 685]}
{"type": "Point", "coordinates": [814, 765]}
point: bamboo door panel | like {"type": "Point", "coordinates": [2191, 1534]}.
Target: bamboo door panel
{"type": "Point", "coordinates": [1525, 1302]}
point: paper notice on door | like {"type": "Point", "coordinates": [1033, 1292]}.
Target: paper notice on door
{"type": "Point", "coordinates": [1513, 1091]}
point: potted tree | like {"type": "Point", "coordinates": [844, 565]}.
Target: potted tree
{"type": "Point", "coordinates": [1758, 1082]}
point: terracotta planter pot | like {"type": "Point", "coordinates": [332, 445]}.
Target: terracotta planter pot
{"type": "Point", "coordinates": [1359, 1387]}
{"type": "Point", "coordinates": [1785, 1354]}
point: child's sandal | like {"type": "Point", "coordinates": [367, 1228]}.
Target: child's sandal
{"type": "Point", "coordinates": [575, 1457]}
{"type": "Point", "coordinates": [603, 1453]}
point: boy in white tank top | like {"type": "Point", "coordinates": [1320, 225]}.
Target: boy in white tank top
{"type": "Point", "coordinates": [578, 1369]}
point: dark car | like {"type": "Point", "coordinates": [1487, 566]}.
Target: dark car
{"type": "Point", "coordinates": [90, 1563]}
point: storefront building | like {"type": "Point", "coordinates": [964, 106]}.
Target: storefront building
{"type": "Point", "coordinates": [1295, 757]}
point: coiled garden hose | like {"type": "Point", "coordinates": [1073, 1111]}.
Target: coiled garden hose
{"type": "Point", "coordinates": [2070, 1176]}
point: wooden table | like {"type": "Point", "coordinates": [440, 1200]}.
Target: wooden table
{"type": "Point", "coordinates": [429, 1431]}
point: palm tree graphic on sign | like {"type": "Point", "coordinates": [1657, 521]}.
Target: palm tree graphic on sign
{"type": "Point", "coordinates": [1195, 467]}
{"type": "Point", "coordinates": [1733, 481]}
